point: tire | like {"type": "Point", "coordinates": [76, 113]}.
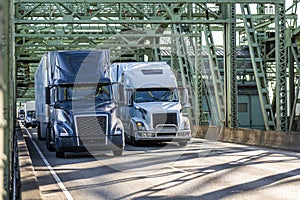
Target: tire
{"type": "Point", "coordinates": [49, 142]}
{"type": "Point", "coordinates": [127, 138]}
{"type": "Point", "coordinates": [183, 143]}
{"type": "Point", "coordinates": [118, 152]}
{"type": "Point", "coordinates": [60, 154]}
{"type": "Point", "coordinates": [133, 141]}
{"type": "Point", "coordinates": [39, 132]}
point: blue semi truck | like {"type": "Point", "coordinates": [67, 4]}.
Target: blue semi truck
{"type": "Point", "coordinates": [75, 105]}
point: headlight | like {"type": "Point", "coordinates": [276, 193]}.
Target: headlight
{"type": "Point", "coordinates": [140, 126]}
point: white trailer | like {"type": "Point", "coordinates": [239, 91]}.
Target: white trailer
{"type": "Point", "coordinates": [30, 118]}
{"type": "Point", "coordinates": [41, 82]}
{"type": "Point", "coordinates": [153, 111]}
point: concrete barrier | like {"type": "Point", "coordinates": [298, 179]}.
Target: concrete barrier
{"type": "Point", "coordinates": [273, 139]}
{"type": "Point", "coordinates": [29, 186]}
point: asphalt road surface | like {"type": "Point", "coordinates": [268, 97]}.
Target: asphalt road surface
{"type": "Point", "coordinates": [201, 170]}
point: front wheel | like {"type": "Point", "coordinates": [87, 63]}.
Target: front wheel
{"type": "Point", "coordinates": [183, 143]}
{"type": "Point", "coordinates": [127, 138]}
{"type": "Point", "coordinates": [39, 132]}
{"type": "Point", "coordinates": [133, 141]}
{"type": "Point", "coordinates": [49, 141]}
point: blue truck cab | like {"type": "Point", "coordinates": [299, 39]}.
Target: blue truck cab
{"type": "Point", "coordinates": [75, 104]}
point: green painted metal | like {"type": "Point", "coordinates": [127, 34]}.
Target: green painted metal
{"type": "Point", "coordinates": [295, 53]}
{"type": "Point", "coordinates": [258, 67]}
{"type": "Point", "coordinates": [200, 117]}
{"type": "Point", "coordinates": [125, 27]}
{"type": "Point", "coordinates": [217, 82]}
{"type": "Point", "coordinates": [155, 1]}
{"type": "Point", "coordinates": [230, 68]}
{"type": "Point", "coordinates": [7, 101]}
{"type": "Point", "coordinates": [280, 52]}
{"type": "Point", "coordinates": [181, 59]}
{"type": "Point", "coordinates": [2, 119]}
{"type": "Point", "coordinates": [75, 26]}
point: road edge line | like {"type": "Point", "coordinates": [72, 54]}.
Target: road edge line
{"type": "Point", "coordinates": [51, 170]}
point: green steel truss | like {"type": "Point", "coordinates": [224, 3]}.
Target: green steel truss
{"type": "Point", "coordinates": [139, 31]}
{"type": "Point", "coordinates": [231, 91]}
{"type": "Point", "coordinates": [258, 67]}
{"type": "Point", "coordinates": [217, 81]}
{"type": "Point", "coordinates": [135, 30]}
{"type": "Point", "coordinates": [281, 68]}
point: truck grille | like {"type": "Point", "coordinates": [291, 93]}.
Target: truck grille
{"type": "Point", "coordinates": [164, 118]}
{"type": "Point", "coordinates": [92, 129]}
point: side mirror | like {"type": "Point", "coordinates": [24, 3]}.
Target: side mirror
{"type": "Point", "coordinates": [129, 96]}
{"type": "Point", "coordinates": [186, 102]}
{"type": "Point", "coordinates": [47, 95]}
{"type": "Point", "coordinates": [121, 93]}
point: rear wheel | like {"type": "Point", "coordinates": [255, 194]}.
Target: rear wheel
{"type": "Point", "coordinates": [60, 154]}
{"type": "Point", "coordinates": [39, 132]}
{"type": "Point", "coordinates": [49, 139]}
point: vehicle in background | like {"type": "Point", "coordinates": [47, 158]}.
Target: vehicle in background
{"type": "Point", "coordinates": [29, 118]}
{"type": "Point", "coordinates": [153, 111]}
{"type": "Point", "coordinates": [21, 115]}
{"type": "Point", "coordinates": [76, 109]}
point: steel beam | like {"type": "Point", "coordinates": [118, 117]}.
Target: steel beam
{"type": "Point", "coordinates": [153, 21]}
{"type": "Point", "coordinates": [154, 1]}
{"type": "Point", "coordinates": [230, 68]}
{"type": "Point", "coordinates": [280, 55]}
{"type": "Point", "coordinates": [2, 119]}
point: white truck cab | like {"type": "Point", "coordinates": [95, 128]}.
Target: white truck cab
{"type": "Point", "coordinates": [153, 110]}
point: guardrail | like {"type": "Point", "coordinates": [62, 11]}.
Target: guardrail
{"type": "Point", "coordinates": [273, 139]}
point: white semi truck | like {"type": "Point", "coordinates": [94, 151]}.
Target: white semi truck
{"type": "Point", "coordinates": [75, 105]}
{"type": "Point", "coordinates": [153, 110]}
{"type": "Point", "coordinates": [30, 118]}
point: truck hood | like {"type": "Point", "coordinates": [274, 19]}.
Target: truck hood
{"type": "Point", "coordinates": [159, 107]}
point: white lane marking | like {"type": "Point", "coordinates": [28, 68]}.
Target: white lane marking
{"type": "Point", "coordinates": [180, 170]}
{"type": "Point", "coordinates": [57, 179]}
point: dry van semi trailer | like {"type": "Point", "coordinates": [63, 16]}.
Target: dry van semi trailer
{"type": "Point", "coordinates": [153, 110]}
{"type": "Point", "coordinates": [75, 105]}
{"type": "Point", "coordinates": [30, 119]}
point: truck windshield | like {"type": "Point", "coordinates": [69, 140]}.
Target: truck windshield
{"type": "Point", "coordinates": [156, 95]}
{"type": "Point", "coordinates": [85, 92]}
